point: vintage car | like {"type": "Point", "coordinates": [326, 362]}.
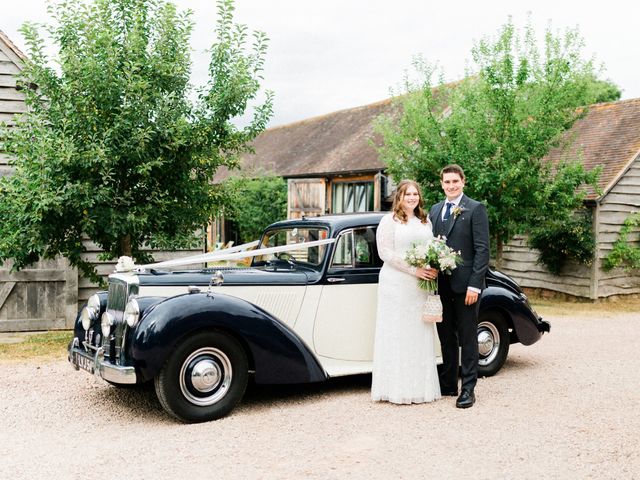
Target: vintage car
{"type": "Point", "coordinates": [303, 311]}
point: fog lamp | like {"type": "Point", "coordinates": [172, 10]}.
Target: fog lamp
{"type": "Point", "coordinates": [106, 323]}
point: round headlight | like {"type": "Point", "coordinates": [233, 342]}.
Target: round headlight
{"type": "Point", "coordinates": [94, 302]}
{"type": "Point", "coordinates": [132, 313]}
{"type": "Point", "coordinates": [106, 323]}
{"type": "Point", "coordinates": [90, 312]}
{"type": "Point", "coordinates": [86, 318]}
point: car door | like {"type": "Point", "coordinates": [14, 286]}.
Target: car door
{"type": "Point", "coordinates": [345, 320]}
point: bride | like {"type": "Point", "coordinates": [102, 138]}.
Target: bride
{"type": "Point", "coordinates": [404, 361]}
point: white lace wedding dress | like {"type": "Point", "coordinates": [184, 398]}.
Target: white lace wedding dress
{"type": "Point", "coordinates": [404, 362]}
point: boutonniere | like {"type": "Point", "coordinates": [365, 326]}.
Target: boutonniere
{"type": "Point", "coordinates": [457, 211]}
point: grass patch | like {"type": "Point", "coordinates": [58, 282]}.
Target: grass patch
{"type": "Point", "coordinates": [558, 307]}
{"type": "Point", "coordinates": [44, 346]}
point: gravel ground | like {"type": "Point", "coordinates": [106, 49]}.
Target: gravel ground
{"type": "Point", "coordinates": [566, 407]}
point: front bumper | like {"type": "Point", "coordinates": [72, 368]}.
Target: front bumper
{"type": "Point", "coordinates": [96, 364]}
{"type": "Point", "coordinates": [544, 326]}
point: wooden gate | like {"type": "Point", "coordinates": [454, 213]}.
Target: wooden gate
{"type": "Point", "coordinates": [43, 297]}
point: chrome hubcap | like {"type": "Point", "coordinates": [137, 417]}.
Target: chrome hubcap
{"type": "Point", "coordinates": [488, 342]}
{"type": "Point", "coordinates": [205, 376]}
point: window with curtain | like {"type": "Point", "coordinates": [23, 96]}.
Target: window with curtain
{"type": "Point", "coordinates": [352, 197]}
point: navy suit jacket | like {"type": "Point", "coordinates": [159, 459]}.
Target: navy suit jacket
{"type": "Point", "coordinates": [468, 233]}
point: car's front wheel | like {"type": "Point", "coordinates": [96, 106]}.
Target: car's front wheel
{"type": "Point", "coordinates": [493, 343]}
{"type": "Point", "coordinates": [204, 378]}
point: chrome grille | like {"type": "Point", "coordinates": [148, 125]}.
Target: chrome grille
{"type": "Point", "coordinates": [117, 299]}
{"type": "Point", "coordinates": [121, 288]}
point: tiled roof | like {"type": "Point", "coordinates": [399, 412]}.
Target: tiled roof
{"type": "Point", "coordinates": [340, 142]}
{"type": "Point", "coordinates": [609, 135]}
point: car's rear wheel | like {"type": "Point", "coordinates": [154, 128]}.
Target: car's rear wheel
{"type": "Point", "coordinates": [204, 378]}
{"type": "Point", "coordinates": [493, 343]}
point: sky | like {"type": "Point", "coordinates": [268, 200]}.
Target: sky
{"type": "Point", "coordinates": [328, 55]}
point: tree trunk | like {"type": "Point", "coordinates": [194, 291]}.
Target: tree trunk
{"type": "Point", "coordinates": [125, 245]}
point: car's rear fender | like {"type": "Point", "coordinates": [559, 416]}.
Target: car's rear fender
{"type": "Point", "coordinates": [513, 307]}
{"type": "Point", "coordinates": [277, 354]}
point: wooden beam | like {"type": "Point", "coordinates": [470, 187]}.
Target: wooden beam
{"type": "Point", "coordinates": [12, 106]}
{"type": "Point", "coordinates": [5, 291]}
{"type": "Point", "coordinates": [595, 266]}
{"type": "Point", "coordinates": [71, 295]}
{"type": "Point", "coordinates": [33, 276]}
{"type": "Point", "coordinates": [7, 66]}
{"type": "Point", "coordinates": [7, 80]}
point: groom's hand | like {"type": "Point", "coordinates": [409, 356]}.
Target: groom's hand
{"type": "Point", "coordinates": [471, 298]}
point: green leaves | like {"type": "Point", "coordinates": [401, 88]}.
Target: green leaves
{"type": "Point", "coordinates": [498, 124]}
{"type": "Point", "coordinates": [255, 203]}
{"type": "Point", "coordinates": [626, 252]}
{"type": "Point", "coordinates": [561, 240]}
{"type": "Point", "coordinates": [113, 146]}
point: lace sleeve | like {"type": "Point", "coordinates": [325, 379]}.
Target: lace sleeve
{"type": "Point", "coordinates": [386, 246]}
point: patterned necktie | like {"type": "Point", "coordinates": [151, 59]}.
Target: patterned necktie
{"type": "Point", "coordinates": [447, 212]}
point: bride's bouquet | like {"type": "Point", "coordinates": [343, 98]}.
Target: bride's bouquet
{"type": "Point", "coordinates": [435, 254]}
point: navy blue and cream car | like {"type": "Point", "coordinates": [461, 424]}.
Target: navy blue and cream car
{"type": "Point", "coordinates": [303, 311]}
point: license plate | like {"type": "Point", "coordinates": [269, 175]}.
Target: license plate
{"type": "Point", "coordinates": [83, 362]}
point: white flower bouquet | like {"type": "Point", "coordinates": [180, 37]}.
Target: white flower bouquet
{"type": "Point", "coordinates": [434, 254]}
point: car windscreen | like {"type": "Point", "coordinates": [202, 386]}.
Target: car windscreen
{"type": "Point", "coordinates": [295, 237]}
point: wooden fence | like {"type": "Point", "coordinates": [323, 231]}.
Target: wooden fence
{"type": "Point", "coordinates": [48, 294]}
{"type": "Point", "coordinates": [43, 297]}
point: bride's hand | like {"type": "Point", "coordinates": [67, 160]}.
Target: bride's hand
{"type": "Point", "coordinates": [427, 273]}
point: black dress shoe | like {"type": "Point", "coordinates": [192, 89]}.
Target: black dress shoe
{"type": "Point", "coordinates": [466, 399]}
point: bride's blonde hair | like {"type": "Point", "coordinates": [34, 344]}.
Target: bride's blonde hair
{"type": "Point", "coordinates": [397, 210]}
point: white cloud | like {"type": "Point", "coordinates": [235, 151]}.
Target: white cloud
{"type": "Point", "coordinates": [335, 54]}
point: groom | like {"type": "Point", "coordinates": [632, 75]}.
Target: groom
{"type": "Point", "coordinates": [464, 222]}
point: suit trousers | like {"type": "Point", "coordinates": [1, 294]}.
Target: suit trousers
{"type": "Point", "coordinates": [459, 327]}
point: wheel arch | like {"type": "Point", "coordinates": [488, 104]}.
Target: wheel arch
{"type": "Point", "coordinates": [221, 329]}
{"type": "Point", "coordinates": [510, 306]}
{"type": "Point", "coordinates": [506, 316]}
{"type": "Point", "coordinates": [274, 352]}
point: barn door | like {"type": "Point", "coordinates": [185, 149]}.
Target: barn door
{"type": "Point", "coordinates": [307, 197]}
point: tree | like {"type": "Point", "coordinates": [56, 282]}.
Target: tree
{"type": "Point", "coordinates": [114, 145]}
{"type": "Point", "coordinates": [498, 124]}
{"type": "Point", "coordinates": [256, 203]}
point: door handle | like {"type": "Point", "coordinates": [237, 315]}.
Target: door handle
{"type": "Point", "coordinates": [335, 279]}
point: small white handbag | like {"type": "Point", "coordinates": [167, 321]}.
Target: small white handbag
{"type": "Point", "coordinates": [432, 309]}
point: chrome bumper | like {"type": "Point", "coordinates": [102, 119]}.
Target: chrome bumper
{"type": "Point", "coordinates": [96, 364]}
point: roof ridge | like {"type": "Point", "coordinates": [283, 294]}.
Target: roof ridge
{"type": "Point", "coordinates": [328, 114]}
{"type": "Point", "coordinates": [615, 102]}
{"type": "Point", "coordinates": [12, 46]}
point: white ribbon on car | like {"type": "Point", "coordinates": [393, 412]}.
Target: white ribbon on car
{"type": "Point", "coordinates": [200, 258]}
{"type": "Point", "coordinates": [234, 254]}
